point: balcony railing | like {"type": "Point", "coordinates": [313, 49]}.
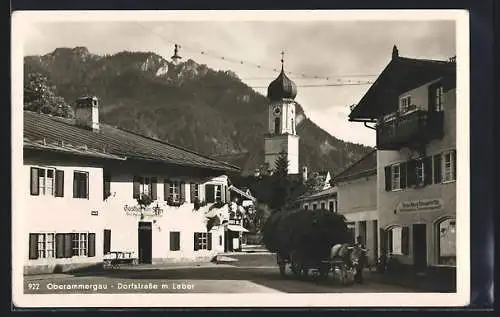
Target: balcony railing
{"type": "Point", "coordinates": [415, 127]}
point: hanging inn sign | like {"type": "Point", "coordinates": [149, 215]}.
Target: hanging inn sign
{"type": "Point", "coordinates": [137, 210]}
{"type": "Point", "coordinates": [420, 205]}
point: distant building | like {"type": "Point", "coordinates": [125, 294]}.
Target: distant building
{"type": "Point", "coordinates": [326, 199]}
{"type": "Point", "coordinates": [91, 189]}
{"type": "Point", "coordinates": [412, 104]}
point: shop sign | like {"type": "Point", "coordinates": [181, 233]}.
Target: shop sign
{"type": "Point", "coordinates": [137, 210]}
{"type": "Point", "coordinates": [421, 205]}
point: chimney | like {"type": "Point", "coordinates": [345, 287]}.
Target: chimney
{"type": "Point", "coordinates": [304, 173]}
{"type": "Point", "coordinates": [87, 113]}
{"type": "Point", "coordinates": [395, 52]}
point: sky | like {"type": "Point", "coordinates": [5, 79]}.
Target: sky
{"type": "Point", "coordinates": [340, 50]}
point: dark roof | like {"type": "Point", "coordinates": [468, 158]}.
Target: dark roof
{"type": "Point", "coordinates": [45, 129]}
{"type": "Point", "coordinates": [400, 75]}
{"type": "Point", "coordinates": [363, 167]}
{"type": "Point", "coordinates": [332, 191]}
{"type": "Point", "coordinates": [281, 88]}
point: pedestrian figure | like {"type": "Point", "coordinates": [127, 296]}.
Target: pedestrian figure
{"type": "Point", "coordinates": [360, 255]}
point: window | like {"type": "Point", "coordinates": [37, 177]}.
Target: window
{"type": "Point", "coordinates": [395, 239]}
{"type": "Point", "coordinates": [331, 206]}
{"type": "Point", "coordinates": [145, 186]}
{"type": "Point", "coordinates": [175, 191]}
{"type": "Point", "coordinates": [323, 206]}
{"type": "Point", "coordinates": [45, 245]}
{"type": "Point", "coordinates": [80, 184]}
{"type": "Point", "coordinates": [47, 181]}
{"type": "Point", "coordinates": [202, 241]}
{"type": "Point", "coordinates": [449, 166]}
{"type": "Point", "coordinates": [404, 104]}
{"type": "Point", "coordinates": [395, 177]}
{"type": "Point", "coordinates": [315, 206]}
{"type": "Point", "coordinates": [218, 193]}
{"type": "Point", "coordinates": [79, 244]}
{"type": "Point", "coordinates": [306, 207]}
{"type": "Point", "coordinates": [220, 240]}
{"type": "Point", "coordinates": [195, 192]}
{"type": "Point", "coordinates": [447, 242]}
{"type": "Point", "coordinates": [276, 125]}
{"type": "Point", "coordinates": [419, 170]}
{"type": "Point", "coordinates": [106, 185]}
{"type": "Point", "coordinates": [175, 241]}
{"type": "Point", "coordinates": [438, 98]}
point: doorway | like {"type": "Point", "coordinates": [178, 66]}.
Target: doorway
{"type": "Point", "coordinates": [420, 246]}
{"type": "Point", "coordinates": [107, 241]}
{"type": "Point", "coordinates": [145, 237]}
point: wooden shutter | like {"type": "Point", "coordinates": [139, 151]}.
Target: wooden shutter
{"type": "Point", "coordinates": [389, 240]}
{"type": "Point", "coordinates": [59, 184]}
{"type": "Point", "coordinates": [75, 184]}
{"type": "Point", "coordinates": [383, 241]}
{"type": "Point", "coordinates": [106, 188]}
{"type": "Point", "coordinates": [34, 182]}
{"type": "Point", "coordinates": [172, 241]}
{"type": "Point", "coordinates": [166, 189]}
{"type": "Point", "coordinates": [388, 185]}
{"type": "Point", "coordinates": [68, 245]}
{"type": "Point", "coordinates": [135, 190]}
{"type": "Point", "coordinates": [222, 193]}
{"type": "Point", "coordinates": [210, 193]}
{"type": "Point", "coordinates": [154, 182]}
{"type": "Point", "coordinates": [33, 246]}
{"type": "Point", "coordinates": [411, 177]}
{"type": "Point", "coordinates": [191, 192]}
{"type": "Point", "coordinates": [228, 194]}
{"type": "Point", "coordinates": [107, 241]}
{"type": "Point", "coordinates": [196, 241]}
{"type": "Point", "coordinates": [209, 241]}
{"type": "Point", "coordinates": [182, 191]}
{"type": "Point", "coordinates": [85, 184]}
{"type": "Point", "coordinates": [59, 241]}
{"type": "Point", "coordinates": [405, 240]}
{"type": "Point", "coordinates": [428, 170]}
{"type": "Point", "coordinates": [437, 169]}
{"type": "Point", "coordinates": [91, 245]}
{"type": "Point", "coordinates": [402, 175]}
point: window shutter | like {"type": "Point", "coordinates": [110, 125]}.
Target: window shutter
{"type": "Point", "coordinates": [228, 194]}
{"type": "Point", "coordinates": [428, 170]}
{"type": "Point", "coordinates": [182, 191]}
{"type": "Point", "coordinates": [135, 190]}
{"type": "Point", "coordinates": [34, 181]}
{"type": "Point", "coordinates": [402, 173]}
{"type": "Point", "coordinates": [383, 241]}
{"type": "Point", "coordinates": [209, 241]}
{"type": "Point", "coordinates": [455, 164]}
{"type": "Point", "coordinates": [405, 240]}
{"type": "Point", "coordinates": [91, 245]}
{"type": "Point", "coordinates": [388, 175]}
{"type": "Point", "coordinates": [154, 182]}
{"type": "Point", "coordinates": [59, 183]}
{"type": "Point", "coordinates": [107, 241]}
{"type": "Point", "coordinates": [75, 185]}
{"type": "Point", "coordinates": [33, 247]}
{"type": "Point", "coordinates": [222, 193]}
{"type": "Point", "coordinates": [59, 245]}
{"type": "Point", "coordinates": [172, 241]}
{"type": "Point", "coordinates": [86, 185]}
{"type": "Point", "coordinates": [196, 241]}
{"type": "Point", "coordinates": [166, 189]}
{"type": "Point", "coordinates": [210, 193]}
{"type": "Point", "coordinates": [437, 169]}
{"type": "Point", "coordinates": [106, 185]}
{"type": "Point", "coordinates": [389, 240]}
{"type": "Point", "coordinates": [68, 245]}
{"type": "Point", "coordinates": [411, 177]}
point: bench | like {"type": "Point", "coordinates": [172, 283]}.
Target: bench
{"type": "Point", "coordinates": [115, 259]}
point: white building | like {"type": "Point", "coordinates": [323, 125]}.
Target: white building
{"type": "Point", "coordinates": [85, 179]}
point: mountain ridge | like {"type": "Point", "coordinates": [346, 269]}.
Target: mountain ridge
{"type": "Point", "coordinates": [189, 104]}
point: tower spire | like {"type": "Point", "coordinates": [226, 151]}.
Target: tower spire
{"type": "Point", "coordinates": [282, 60]}
{"type": "Point", "coordinates": [175, 58]}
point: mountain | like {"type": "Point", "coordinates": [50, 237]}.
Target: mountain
{"type": "Point", "coordinates": [189, 104]}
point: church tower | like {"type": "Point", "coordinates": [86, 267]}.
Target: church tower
{"type": "Point", "coordinates": [282, 135]}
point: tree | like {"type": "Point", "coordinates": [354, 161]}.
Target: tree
{"type": "Point", "coordinates": [40, 96]}
{"type": "Point", "coordinates": [281, 165]}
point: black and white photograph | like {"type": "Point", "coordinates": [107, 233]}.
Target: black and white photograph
{"type": "Point", "coordinates": [240, 158]}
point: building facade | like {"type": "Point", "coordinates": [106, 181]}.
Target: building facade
{"type": "Point", "coordinates": [412, 105]}
{"type": "Point", "coordinates": [94, 189]}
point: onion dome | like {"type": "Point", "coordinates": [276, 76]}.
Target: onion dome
{"type": "Point", "coordinates": [282, 87]}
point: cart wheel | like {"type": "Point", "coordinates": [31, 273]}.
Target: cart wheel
{"type": "Point", "coordinates": [282, 269]}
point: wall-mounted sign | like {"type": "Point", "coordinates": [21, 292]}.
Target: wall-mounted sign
{"type": "Point", "coordinates": [137, 210]}
{"type": "Point", "coordinates": [94, 213]}
{"type": "Point", "coordinates": [421, 205]}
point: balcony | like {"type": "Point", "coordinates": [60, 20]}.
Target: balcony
{"type": "Point", "coordinates": [412, 128]}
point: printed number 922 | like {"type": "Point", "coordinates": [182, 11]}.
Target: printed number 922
{"type": "Point", "coordinates": [33, 286]}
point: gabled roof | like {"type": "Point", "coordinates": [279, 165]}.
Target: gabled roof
{"type": "Point", "coordinates": [110, 141]}
{"type": "Point", "coordinates": [400, 75]}
{"type": "Point", "coordinates": [319, 194]}
{"type": "Point", "coordinates": [366, 166]}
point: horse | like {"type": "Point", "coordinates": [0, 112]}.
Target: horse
{"type": "Point", "coordinates": [345, 260]}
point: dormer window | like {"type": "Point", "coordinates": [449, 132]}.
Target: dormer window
{"type": "Point", "coordinates": [404, 103]}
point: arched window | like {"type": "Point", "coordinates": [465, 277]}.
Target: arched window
{"type": "Point", "coordinates": [446, 242]}
{"type": "Point", "coordinates": [276, 125]}
{"type": "Point", "coordinates": [293, 127]}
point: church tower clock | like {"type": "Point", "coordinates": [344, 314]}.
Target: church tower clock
{"type": "Point", "coordinates": [282, 136]}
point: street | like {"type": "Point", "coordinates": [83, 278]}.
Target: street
{"type": "Point", "coordinates": [246, 273]}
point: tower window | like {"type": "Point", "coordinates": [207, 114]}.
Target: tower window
{"type": "Point", "coordinates": [276, 125]}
